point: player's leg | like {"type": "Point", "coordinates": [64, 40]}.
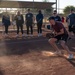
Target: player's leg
{"type": "Point", "coordinates": [31, 27]}
{"type": "Point", "coordinates": [63, 44]}
{"type": "Point", "coordinates": [27, 29]}
{"type": "Point", "coordinates": [6, 30]}
{"type": "Point", "coordinates": [53, 44]}
{"type": "Point", "coordinates": [40, 29]}
{"type": "Point", "coordinates": [21, 26]}
{"type": "Point", "coordinates": [17, 31]}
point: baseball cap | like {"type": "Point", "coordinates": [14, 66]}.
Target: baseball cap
{"type": "Point", "coordinates": [55, 11]}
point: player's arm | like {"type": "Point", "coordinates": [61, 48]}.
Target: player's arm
{"type": "Point", "coordinates": [48, 30]}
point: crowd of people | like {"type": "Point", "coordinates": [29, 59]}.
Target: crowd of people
{"type": "Point", "coordinates": [29, 22]}
{"type": "Point", "coordinates": [60, 33]}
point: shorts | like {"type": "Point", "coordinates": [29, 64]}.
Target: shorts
{"type": "Point", "coordinates": [70, 28]}
{"type": "Point", "coordinates": [62, 37]}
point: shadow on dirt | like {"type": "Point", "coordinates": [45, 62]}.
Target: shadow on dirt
{"type": "Point", "coordinates": [1, 73]}
{"type": "Point", "coordinates": [23, 46]}
{"type": "Point", "coordinates": [72, 61]}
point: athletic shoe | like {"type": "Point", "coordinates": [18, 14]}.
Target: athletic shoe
{"type": "Point", "coordinates": [17, 35]}
{"type": "Point", "coordinates": [71, 56]}
{"type": "Point", "coordinates": [6, 35]}
{"type": "Point", "coordinates": [26, 35]}
{"type": "Point", "coordinates": [23, 35]}
{"type": "Point", "coordinates": [38, 35]}
{"type": "Point", "coordinates": [31, 35]}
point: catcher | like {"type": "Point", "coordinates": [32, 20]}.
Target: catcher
{"type": "Point", "coordinates": [60, 34]}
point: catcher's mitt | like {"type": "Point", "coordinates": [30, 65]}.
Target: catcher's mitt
{"type": "Point", "coordinates": [49, 35]}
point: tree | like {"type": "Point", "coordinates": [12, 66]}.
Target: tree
{"type": "Point", "coordinates": [67, 9]}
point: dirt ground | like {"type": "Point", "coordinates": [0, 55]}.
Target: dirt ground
{"type": "Point", "coordinates": [33, 56]}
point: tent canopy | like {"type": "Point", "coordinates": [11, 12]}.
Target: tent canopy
{"type": "Point", "coordinates": [25, 4]}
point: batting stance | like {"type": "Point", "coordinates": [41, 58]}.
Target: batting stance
{"type": "Point", "coordinates": [61, 35]}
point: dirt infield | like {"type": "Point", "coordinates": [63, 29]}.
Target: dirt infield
{"type": "Point", "coordinates": [33, 56]}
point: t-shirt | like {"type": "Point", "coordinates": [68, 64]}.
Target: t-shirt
{"type": "Point", "coordinates": [58, 26]}
{"type": "Point", "coordinates": [71, 17]}
{"type": "Point", "coordinates": [19, 19]}
{"type": "Point", "coordinates": [39, 18]}
{"type": "Point", "coordinates": [57, 18]}
{"type": "Point", "coordinates": [6, 20]}
{"type": "Point", "coordinates": [29, 17]}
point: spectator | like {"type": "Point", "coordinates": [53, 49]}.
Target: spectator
{"type": "Point", "coordinates": [29, 22]}
{"type": "Point", "coordinates": [6, 23]}
{"type": "Point", "coordinates": [19, 23]}
{"type": "Point", "coordinates": [71, 22]}
{"type": "Point", "coordinates": [56, 16]}
{"type": "Point", "coordinates": [39, 19]}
